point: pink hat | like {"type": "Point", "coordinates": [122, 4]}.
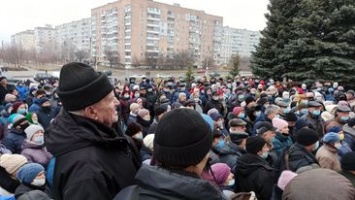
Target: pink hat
{"type": "Point", "coordinates": [279, 123]}
{"type": "Point", "coordinates": [237, 110]}
{"type": "Point", "coordinates": [285, 177]}
{"type": "Point", "coordinates": [221, 172]}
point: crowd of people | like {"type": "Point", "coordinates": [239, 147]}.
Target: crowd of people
{"type": "Point", "coordinates": [80, 137]}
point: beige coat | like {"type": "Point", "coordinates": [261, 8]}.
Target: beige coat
{"type": "Point", "coordinates": [327, 158]}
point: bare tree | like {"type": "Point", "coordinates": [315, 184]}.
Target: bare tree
{"type": "Point", "coordinates": [81, 55]}
{"type": "Point", "coordinates": [151, 60]}
{"type": "Point", "coordinates": [183, 59]}
{"type": "Point", "coordinates": [112, 56]}
{"type": "Point", "coordinates": [207, 62]}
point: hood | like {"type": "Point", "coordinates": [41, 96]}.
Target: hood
{"type": "Point", "coordinates": [177, 185]}
{"type": "Point", "coordinates": [69, 132]}
{"type": "Point", "coordinates": [248, 163]}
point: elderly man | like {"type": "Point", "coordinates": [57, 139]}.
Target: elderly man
{"type": "Point", "coordinates": [94, 160]}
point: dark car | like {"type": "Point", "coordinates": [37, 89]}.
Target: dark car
{"type": "Point", "coordinates": [44, 76]}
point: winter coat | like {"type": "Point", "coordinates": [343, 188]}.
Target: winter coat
{"type": "Point", "coordinates": [13, 140]}
{"type": "Point", "coordinates": [315, 123]}
{"type": "Point", "coordinates": [157, 183]}
{"type": "Point", "coordinates": [253, 173]}
{"type": "Point", "coordinates": [45, 116]}
{"type": "Point", "coordinates": [22, 91]}
{"type": "Point", "coordinates": [93, 161]}
{"type": "Point", "coordinates": [349, 136]}
{"type": "Point", "coordinates": [322, 184]}
{"type": "Point", "coordinates": [144, 124]}
{"type": "Point", "coordinates": [29, 189]}
{"type": "Point", "coordinates": [228, 155]}
{"type": "Point", "coordinates": [214, 104]}
{"type": "Point", "coordinates": [299, 157]}
{"type": "Point", "coordinates": [350, 176]}
{"type": "Point", "coordinates": [280, 143]}
{"type": "Point", "coordinates": [131, 119]}
{"type": "Point", "coordinates": [35, 153]}
{"type": "Point", "coordinates": [327, 157]}
{"type": "Point", "coordinates": [35, 106]}
{"type": "Point", "coordinates": [6, 182]}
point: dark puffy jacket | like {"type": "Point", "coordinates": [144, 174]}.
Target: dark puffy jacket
{"type": "Point", "coordinates": [6, 182]}
{"type": "Point", "coordinates": [253, 173]}
{"type": "Point", "coordinates": [45, 116]}
{"type": "Point", "coordinates": [13, 140]}
{"type": "Point", "coordinates": [300, 157]}
{"type": "Point", "coordinates": [228, 155]}
{"type": "Point", "coordinates": [31, 191]}
{"type": "Point", "coordinates": [214, 104]}
{"type": "Point", "coordinates": [93, 161]}
{"type": "Point", "coordinates": [157, 183]}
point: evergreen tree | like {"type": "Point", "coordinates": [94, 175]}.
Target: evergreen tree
{"type": "Point", "coordinates": [189, 76]}
{"type": "Point", "coordinates": [268, 60]}
{"type": "Point", "coordinates": [314, 40]}
{"type": "Point", "coordinates": [324, 50]}
{"type": "Point", "coordinates": [235, 61]}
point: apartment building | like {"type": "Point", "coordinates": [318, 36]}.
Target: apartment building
{"type": "Point", "coordinates": [134, 29]}
{"type": "Point", "coordinates": [75, 34]}
{"type": "Point", "coordinates": [24, 39]}
{"type": "Point", "coordinates": [45, 37]}
{"type": "Point", "coordinates": [238, 41]}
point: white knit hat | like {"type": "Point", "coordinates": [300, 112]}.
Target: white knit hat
{"type": "Point", "coordinates": [12, 162]}
{"type": "Point", "coordinates": [32, 129]}
{"type": "Point", "coordinates": [148, 141]}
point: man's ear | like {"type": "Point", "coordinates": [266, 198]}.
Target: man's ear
{"type": "Point", "coordinates": [90, 112]}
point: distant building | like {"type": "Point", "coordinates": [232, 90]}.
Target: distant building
{"type": "Point", "coordinates": [133, 29]}
{"type": "Point", "coordinates": [45, 37]}
{"type": "Point", "coordinates": [238, 41]}
{"type": "Point", "coordinates": [76, 34]}
{"type": "Point", "coordinates": [24, 39]}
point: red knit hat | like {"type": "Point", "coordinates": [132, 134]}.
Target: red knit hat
{"type": "Point", "coordinates": [237, 110]}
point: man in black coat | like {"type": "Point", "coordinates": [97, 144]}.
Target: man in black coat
{"type": "Point", "coordinates": [94, 159]}
{"type": "Point", "coordinates": [253, 172]}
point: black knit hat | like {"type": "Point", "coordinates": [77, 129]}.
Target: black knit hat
{"type": "Point", "coordinates": [306, 136]}
{"type": "Point", "coordinates": [81, 86]}
{"type": "Point", "coordinates": [160, 109]}
{"type": "Point", "coordinates": [249, 99]}
{"type": "Point", "coordinates": [133, 128]}
{"type": "Point", "coordinates": [254, 144]}
{"type": "Point", "coordinates": [182, 138]}
{"type": "Point", "coordinates": [348, 161]}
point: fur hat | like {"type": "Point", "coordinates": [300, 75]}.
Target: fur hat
{"type": "Point", "coordinates": [10, 98]}
{"type": "Point", "coordinates": [182, 139]}
{"type": "Point", "coordinates": [28, 172]}
{"type": "Point", "coordinates": [81, 86]}
{"type": "Point", "coordinates": [12, 162]}
{"type": "Point", "coordinates": [32, 129]}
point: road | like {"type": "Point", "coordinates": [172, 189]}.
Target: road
{"type": "Point", "coordinates": [121, 74]}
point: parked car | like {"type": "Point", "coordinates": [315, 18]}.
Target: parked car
{"type": "Point", "coordinates": [44, 76]}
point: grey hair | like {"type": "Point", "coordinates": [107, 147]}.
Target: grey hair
{"type": "Point", "coordinates": [77, 112]}
{"type": "Point", "coordinates": [271, 109]}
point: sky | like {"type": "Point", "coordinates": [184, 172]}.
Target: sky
{"type": "Point", "coordinates": [21, 15]}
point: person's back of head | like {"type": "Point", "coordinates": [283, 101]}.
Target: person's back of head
{"type": "Point", "coordinates": [308, 138]}
{"type": "Point", "coordinates": [182, 139]}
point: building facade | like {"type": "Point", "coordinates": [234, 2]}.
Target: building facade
{"type": "Point", "coordinates": [24, 39]}
{"type": "Point", "coordinates": [75, 34]}
{"type": "Point", "coordinates": [45, 38]}
{"type": "Point", "coordinates": [238, 41]}
{"type": "Point", "coordinates": [136, 29]}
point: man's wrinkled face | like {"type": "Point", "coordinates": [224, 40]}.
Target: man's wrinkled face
{"type": "Point", "coordinates": [106, 110]}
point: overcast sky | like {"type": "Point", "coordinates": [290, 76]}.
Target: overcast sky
{"type": "Point", "coordinates": [20, 15]}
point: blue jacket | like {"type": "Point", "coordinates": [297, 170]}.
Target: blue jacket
{"type": "Point", "coordinates": [280, 143]}
{"type": "Point", "coordinates": [13, 140]}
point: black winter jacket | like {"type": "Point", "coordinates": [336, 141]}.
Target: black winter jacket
{"type": "Point", "coordinates": [156, 183]}
{"type": "Point", "coordinates": [93, 161]}
{"type": "Point", "coordinates": [300, 157]}
{"type": "Point", "coordinates": [253, 173]}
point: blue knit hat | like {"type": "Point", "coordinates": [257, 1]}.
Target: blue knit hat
{"type": "Point", "coordinates": [209, 120]}
{"type": "Point", "coordinates": [331, 138]}
{"type": "Point", "coordinates": [28, 172]}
